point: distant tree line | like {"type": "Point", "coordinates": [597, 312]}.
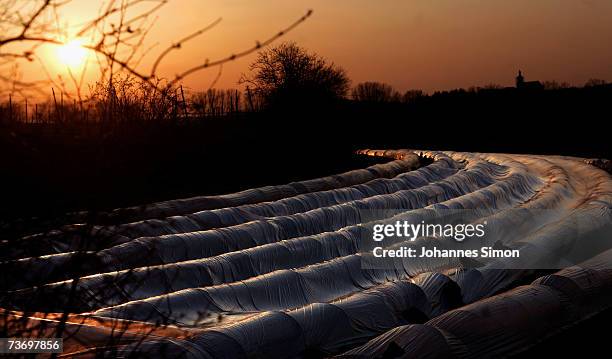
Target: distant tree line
{"type": "Point", "coordinates": [286, 77]}
{"type": "Point", "coordinates": [378, 92]}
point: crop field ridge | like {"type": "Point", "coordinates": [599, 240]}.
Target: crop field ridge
{"type": "Point", "coordinates": [282, 271]}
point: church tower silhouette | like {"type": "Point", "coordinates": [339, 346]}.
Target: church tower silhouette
{"type": "Point", "coordinates": [531, 85]}
{"type": "Point", "coordinates": [520, 80]}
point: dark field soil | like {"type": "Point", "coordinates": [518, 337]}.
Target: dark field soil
{"type": "Point", "coordinates": [48, 170]}
{"type": "Point", "coordinates": [587, 339]}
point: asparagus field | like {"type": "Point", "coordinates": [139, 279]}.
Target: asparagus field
{"type": "Point", "coordinates": [281, 271]}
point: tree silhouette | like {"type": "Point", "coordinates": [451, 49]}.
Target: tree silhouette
{"type": "Point", "coordinates": [595, 83]}
{"type": "Point", "coordinates": [411, 96]}
{"type": "Point", "coordinates": [287, 75]}
{"type": "Point", "coordinates": [375, 92]}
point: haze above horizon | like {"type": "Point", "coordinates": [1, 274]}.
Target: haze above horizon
{"type": "Point", "coordinates": [429, 45]}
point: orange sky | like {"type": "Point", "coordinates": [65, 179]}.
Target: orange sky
{"type": "Point", "coordinates": [426, 44]}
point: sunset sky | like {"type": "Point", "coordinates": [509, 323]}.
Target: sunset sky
{"type": "Point", "coordinates": [426, 44]}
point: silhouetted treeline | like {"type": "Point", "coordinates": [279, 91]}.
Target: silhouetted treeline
{"type": "Point", "coordinates": [132, 103]}
{"type": "Point", "coordinates": [286, 78]}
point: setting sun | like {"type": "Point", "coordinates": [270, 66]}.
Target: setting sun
{"type": "Point", "coordinates": [72, 53]}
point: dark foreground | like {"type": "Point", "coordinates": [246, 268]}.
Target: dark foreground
{"type": "Point", "coordinates": [48, 170]}
{"type": "Point", "coordinates": [281, 271]}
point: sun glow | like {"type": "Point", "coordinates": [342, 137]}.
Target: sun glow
{"type": "Point", "coordinates": [72, 53]}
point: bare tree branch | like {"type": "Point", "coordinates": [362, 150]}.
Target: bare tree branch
{"type": "Point", "coordinates": [232, 57]}
{"type": "Point", "coordinates": [179, 44]}
{"type": "Point", "coordinates": [119, 43]}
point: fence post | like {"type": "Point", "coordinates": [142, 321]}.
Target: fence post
{"type": "Point", "coordinates": [62, 106]}
{"type": "Point", "coordinates": [55, 102]}
{"type": "Point", "coordinates": [10, 108]}
{"type": "Point", "coordinates": [184, 102]}
{"type": "Point", "coordinates": [249, 98]}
